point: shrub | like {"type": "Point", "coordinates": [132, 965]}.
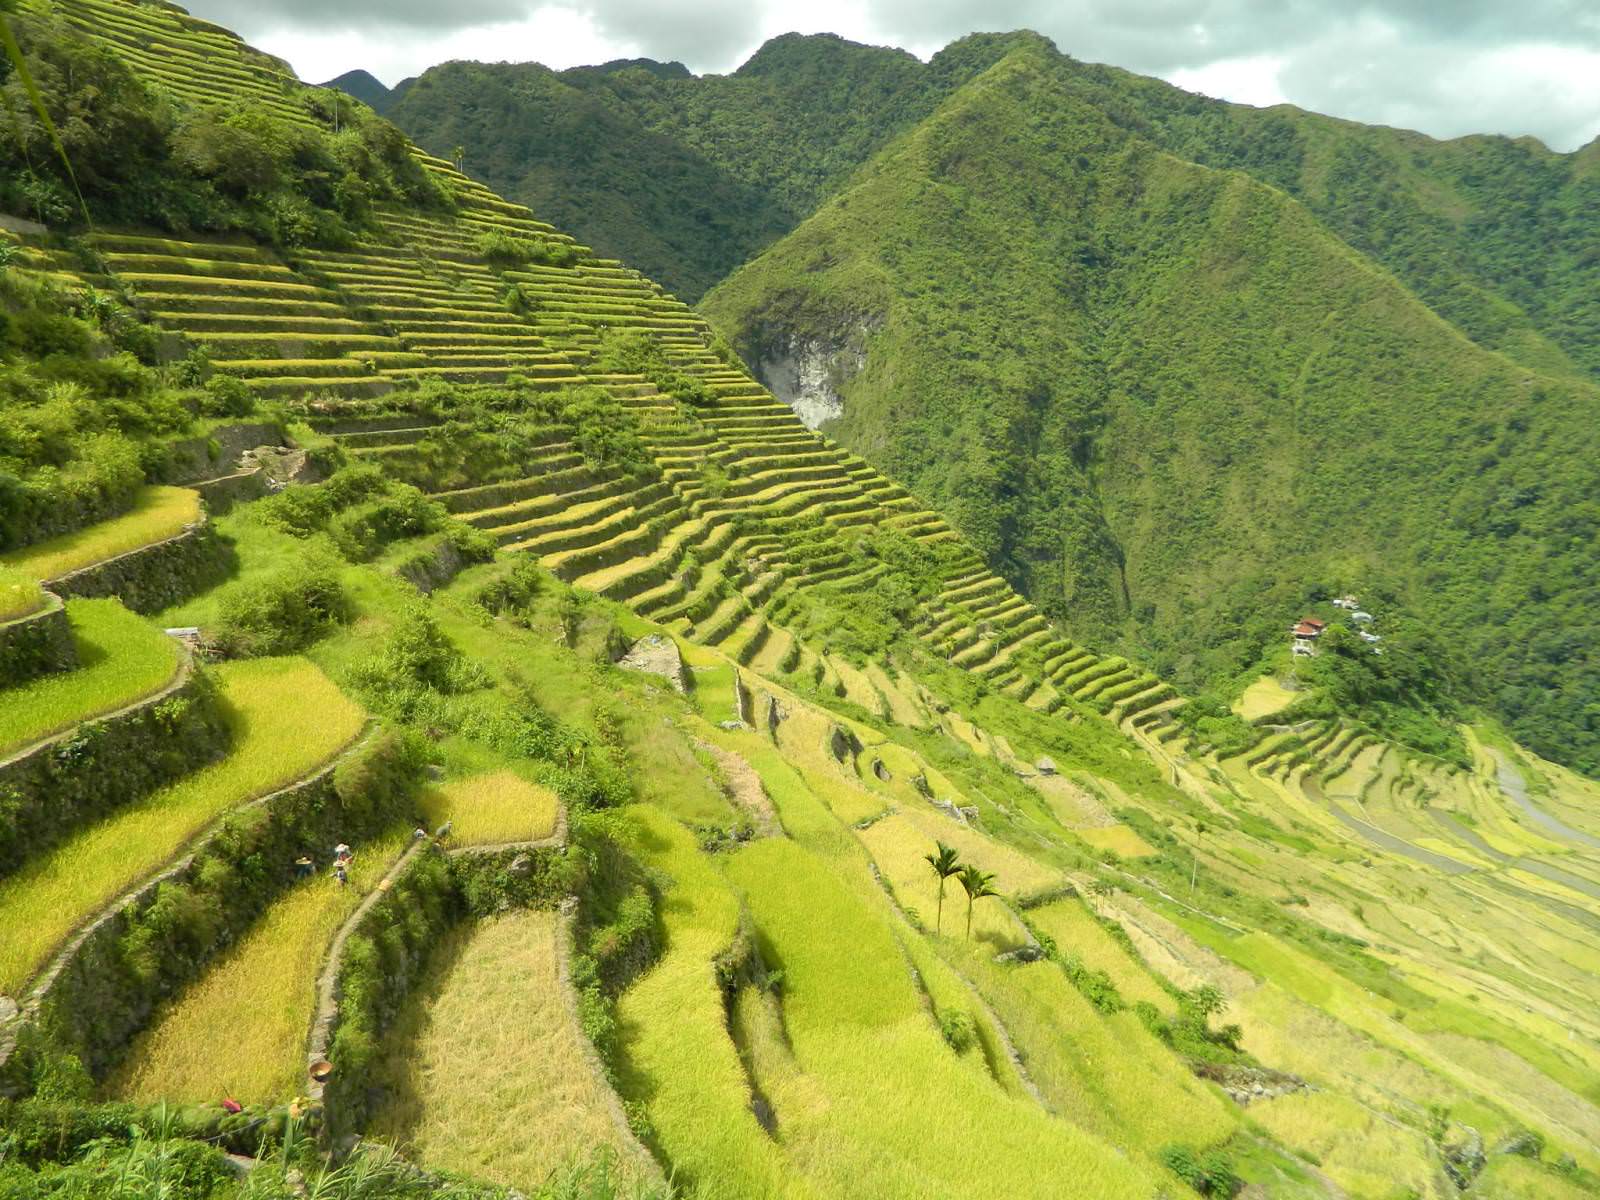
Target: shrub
{"type": "Point", "coordinates": [280, 613]}
{"type": "Point", "coordinates": [1210, 1174]}
{"type": "Point", "coordinates": [227, 396]}
{"type": "Point", "coordinates": [40, 333]}
{"type": "Point", "coordinates": [958, 1030]}
{"type": "Point", "coordinates": [360, 532]}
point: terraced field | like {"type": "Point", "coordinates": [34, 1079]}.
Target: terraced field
{"type": "Point", "coordinates": [706, 920]}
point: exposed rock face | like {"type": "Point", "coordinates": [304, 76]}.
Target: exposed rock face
{"type": "Point", "coordinates": [809, 373]}
{"type": "Point", "coordinates": [656, 654]}
{"type": "Point", "coordinates": [1465, 1158]}
{"type": "Point", "coordinates": [1246, 1084]}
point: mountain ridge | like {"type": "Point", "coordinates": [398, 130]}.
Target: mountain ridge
{"type": "Point", "coordinates": [930, 253]}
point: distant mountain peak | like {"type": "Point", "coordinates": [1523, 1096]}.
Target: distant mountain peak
{"type": "Point", "coordinates": [369, 89]}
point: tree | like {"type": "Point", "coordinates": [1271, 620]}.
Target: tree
{"type": "Point", "coordinates": [945, 863]}
{"type": "Point", "coordinates": [978, 885]}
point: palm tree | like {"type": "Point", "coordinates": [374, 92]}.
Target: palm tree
{"type": "Point", "coordinates": [945, 863]}
{"type": "Point", "coordinates": [978, 885]}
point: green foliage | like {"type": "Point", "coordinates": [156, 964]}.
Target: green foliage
{"type": "Point", "coordinates": [79, 433]}
{"type": "Point", "coordinates": [419, 662]}
{"type": "Point", "coordinates": [1210, 1173]}
{"type": "Point", "coordinates": [1114, 372]}
{"type": "Point", "coordinates": [505, 250]}
{"type": "Point", "coordinates": [617, 932]}
{"type": "Point", "coordinates": [103, 766]}
{"type": "Point", "coordinates": [605, 431]}
{"type": "Point", "coordinates": [280, 613]}
{"type": "Point", "coordinates": [383, 961]}
{"type": "Point", "coordinates": [303, 511]}
{"type": "Point", "coordinates": [629, 352]}
{"type": "Point", "coordinates": [145, 157]}
{"type": "Point", "coordinates": [698, 173]}
{"type": "Point", "coordinates": [153, 948]}
{"type": "Point", "coordinates": [1407, 693]}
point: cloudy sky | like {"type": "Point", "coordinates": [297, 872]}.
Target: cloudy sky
{"type": "Point", "coordinates": [1446, 67]}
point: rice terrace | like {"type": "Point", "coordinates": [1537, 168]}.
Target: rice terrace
{"type": "Point", "coordinates": [923, 723]}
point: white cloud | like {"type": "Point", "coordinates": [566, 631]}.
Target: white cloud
{"type": "Point", "coordinates": [1249, 80]}
{"type": "Point", "coordinates": [1445, 68]}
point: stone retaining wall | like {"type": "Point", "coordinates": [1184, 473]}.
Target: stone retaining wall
{"type": "Point", "coordinates": [55, 786]}
{"type": "Point", "coordinates": [629, 1140]}
{"type": "Point", "coordinates": [224, 492]}
{"type": "Point", "coordinates": [37, 643]}
{"type": "Point", "coordinates": [97, 991]}
{"type": "Point", "coordinates": [156, 576]}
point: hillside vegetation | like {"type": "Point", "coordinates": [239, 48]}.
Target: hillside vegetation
{"type": "Point", "coordinates": [1174, 408]}
{"type": "Point", "coordinates": [698, 173]}
{"type": "Point", "coordinates": [463, 737]}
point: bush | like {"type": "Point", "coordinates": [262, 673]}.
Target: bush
{"type": "Point", "coordinates": [280, 613]}
{"type": "Point", "coordinates": [404, 512]}
{"type": "Point", "coordinates": [1210, 1174]}
{"type": "Point", "coordinates": [227, 396]}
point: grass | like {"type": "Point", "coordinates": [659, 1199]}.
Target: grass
{"type": "Point", "coordinates": [898, 842]}
{"type": "Point", "coordinates": [240, 1030]}
{"type": "Point", "coordinates": [873, 1090]}
{"type": "Point", "coordinates": [1371, 1157]}
{"type": "Point", "coordinates": [1511, 1177]}
{"type": "Point", "coordinates": [677, 1059]}
{"type": "Point", "coordinates": [157, 513]}
{"type": "Point", "coordinates": [287, 719]}
{"type": "Point", "coordinates": [496, 806]}
{"type": "Point", "coordinates": [20, 594]}
{"type": "Point", "coordinates": [1077, 932]}
{"type": "Point", "coordinates": [1119, 839]}
{"type": "Point", "coordinates": [492, 1055]}
{"type": "Point", "coordinates": [121, 658]}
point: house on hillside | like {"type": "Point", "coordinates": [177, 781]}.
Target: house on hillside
{"type": "Point", "coordinates": [1361, 618]}
{"type": "Point", "coordinates": [1349, 603]}
{"type": "Point", "coordinates": [1305, 634]}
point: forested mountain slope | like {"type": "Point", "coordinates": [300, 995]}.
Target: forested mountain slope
{"type": "Point", "coordinates": [462, 736]}
{"type": "Point", "coordinates": [685, 177]}
{"type": "Point", "coordinates": [1498, 235]}
{"type": "Point", "coordinates": [1169, 402]}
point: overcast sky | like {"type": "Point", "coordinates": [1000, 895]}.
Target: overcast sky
{"type": "Point", "coordinates": [1447, 67]}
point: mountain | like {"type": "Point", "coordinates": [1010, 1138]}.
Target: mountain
{"type": "Point", "coordinates": [443, 693]}
{"type": "Point", "coordinates": [688, 177]}
{"type": "Point", "coordinates": [1170, 404]}
{"type": "Point", "coordinates": [369, 89]}
{"type": "Point", "coordinates": [1496, 234]}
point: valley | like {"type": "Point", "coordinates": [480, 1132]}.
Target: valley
{"type": "Point", "coordinates": [462, 734]}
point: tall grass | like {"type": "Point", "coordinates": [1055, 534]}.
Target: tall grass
{"type": "Point", "coordinates": [494, 806]}
{"type": "Point", "coordinates": [677, 1059]}
{"type": "Point", "coordinates": [878, 1103]}
{"type": "Point", "coordinates": [121, 658]}
{"type": "Point", "coordinates": [240, 1030]}
{"type": "Point", "coordinates": [157, 513]}
{"type": "Point", "coordinates": [287, 719]}
{"type": "Point", "coordinates": [20, 594]}
{"type": "Point", "coordinates": [491, 1054]}
{"type": "Point", "coordinates": [1369, 1156]}
{"type": "Point", "coordinates": [1077, 932]}
{"type": "Point", "coordinates": [897, 844]}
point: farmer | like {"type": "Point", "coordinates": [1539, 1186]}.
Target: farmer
{"type": "Point", "coordinates": [341, 853]}
{"type": "Point", "coordinates": [302, 867]}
